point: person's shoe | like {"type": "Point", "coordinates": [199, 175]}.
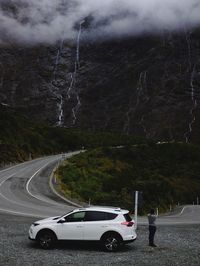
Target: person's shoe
{"type": "Point", "coordinates": [152, 245]}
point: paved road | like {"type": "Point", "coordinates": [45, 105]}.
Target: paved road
{"type": "Point", "coordinates": [24, 190]}
{"type": "Point", "coordinates": [188, 214]}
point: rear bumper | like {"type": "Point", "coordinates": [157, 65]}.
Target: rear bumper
{"type": "Point", "coordinates": [129, 241]}
{"type": "Point", "coordinates": [131, 237]}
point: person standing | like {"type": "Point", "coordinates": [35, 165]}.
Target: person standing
{"type": "Point", "coordinates": [152, 227]}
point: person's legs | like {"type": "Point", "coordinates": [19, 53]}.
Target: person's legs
{"type": "Point", "coordinates": [150, 236]}
{"type": "Point", "coordinates": [152, 230]}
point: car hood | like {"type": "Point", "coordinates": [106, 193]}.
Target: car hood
{"type": "Point", "coordinates": [47, 220]}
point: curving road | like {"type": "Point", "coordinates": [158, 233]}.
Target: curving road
{"type": "Point", "coordinates": [189, 214]}
{"type": "Point", "coordinates": [24, 190]}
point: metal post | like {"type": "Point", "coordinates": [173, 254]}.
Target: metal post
{"type": "Point", "coordinates": [157, 211]}
{"type": "Point", "coordinates": [197, 200]}
{"type": "Point", "coordinates": [136, 208]}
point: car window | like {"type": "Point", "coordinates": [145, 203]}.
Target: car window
{"type": "Point", "coordinates": [75, 217]}
{"type": "Point", "coordinates": [127, 217]}
{"type": "Point", "coordinates": [111, 216]}
{"type": "Point", "coordinates": [99, 216]}
{"type": "Point", "coordinates": [94, 216]}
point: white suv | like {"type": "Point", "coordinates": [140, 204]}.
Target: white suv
{"type": "Point", "coordinates": [109, 225]}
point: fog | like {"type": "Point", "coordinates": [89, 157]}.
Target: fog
{"type": "Point", "coordinates": [47, 21]}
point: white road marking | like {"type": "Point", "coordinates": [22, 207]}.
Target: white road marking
{"type": "Point", "coordinates": [44, 200]}
{"type": "Point", "coordinates": [7, 178]}
{"type": "Point", "coordinates": [12, 201]}
{"type": "Point", "coordinates": [27, 188]}
{"type": "Point", "coordinates": [182, 210]}
{"type": "Point", "coordinates": [22, 213]}
{"type": "Point", "coordinates": [31, 178]}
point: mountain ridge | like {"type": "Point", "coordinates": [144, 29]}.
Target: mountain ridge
{"type": "Point", "coordinates": [144, 85]}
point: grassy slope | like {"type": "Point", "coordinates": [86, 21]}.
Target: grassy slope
{"type": "Point", "coordinates": [20, 137]}
{"type": "Point", "coordinates": [166, 174]}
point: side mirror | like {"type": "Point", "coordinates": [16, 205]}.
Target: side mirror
{"type": "Point", "coordinates": [61, 221]}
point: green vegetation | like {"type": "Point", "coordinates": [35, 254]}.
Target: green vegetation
{"type": "Point", "coordinates": [107, 173]}
{"type": "Point", "coordinates": [166, 174]}
{"type": "Point", "coordinates": [20, 138]}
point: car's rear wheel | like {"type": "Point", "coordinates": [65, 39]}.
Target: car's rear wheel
{"type": "Point", "coordinates": [46, 239]}
{"type": "Point", "coordinates": [111, 242]}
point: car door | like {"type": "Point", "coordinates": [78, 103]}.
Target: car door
{"type": "Point", "coordinates": [95, 225]}
{"type": "Point", "coordinates": [72, 228]}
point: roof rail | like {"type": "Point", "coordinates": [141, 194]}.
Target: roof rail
{"type": "Point", "coordinates": [105, 207]}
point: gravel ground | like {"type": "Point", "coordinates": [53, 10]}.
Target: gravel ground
{"type": "Point", "coordinates": [177, 245]}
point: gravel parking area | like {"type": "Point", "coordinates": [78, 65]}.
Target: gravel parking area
{"type": "Point", "coordinates": [177, 245]}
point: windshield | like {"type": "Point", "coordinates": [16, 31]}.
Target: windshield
{"type": "Point", "coordinates": [66, 213]}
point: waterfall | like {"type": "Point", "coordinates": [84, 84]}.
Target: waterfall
{"type": "Point", "coordinates": [75, 109]}
{"type": "Point", "coordinates": [193, 107]}
{"type": "Point", "coordinates": [56, 92]}
{"type": "Point", "coordinates": [71, 85]}
{"type": "Point", "coordinates": [78, 45]}
{"type": "Point", "coordinates": [146, 99]}
{"type": "Point", "coordinates": [192, 70]}
{"type": "Point", "coordinates": [131, 108]}
{"type": "Point", "coordinates": [72, 89]}
{"type": "Point", "coordinates": [56, 65]}
{"type": "Point", "coordinates": [59, 52]}
{"type": "Point", "coordinates": [188, 41]}
{"type": "Point", "coordinates": [61, 114]}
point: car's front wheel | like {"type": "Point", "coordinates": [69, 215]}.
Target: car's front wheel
{"type": "Point", "coordinates": [46, 239]}
{"type": "Point", "coordinates": [111, 242]}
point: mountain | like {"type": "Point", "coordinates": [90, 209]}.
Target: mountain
{"type": "Point", "coordinates": [146, 85]}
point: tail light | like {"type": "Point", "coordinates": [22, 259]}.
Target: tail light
{"type": "Point", "coordinates": [129, 224]}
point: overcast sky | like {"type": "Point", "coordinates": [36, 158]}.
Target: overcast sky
{"type": "Point", "coordinates": [38, 21]}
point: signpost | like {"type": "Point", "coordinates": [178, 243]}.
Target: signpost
{"type": "Point", "coordinates": [138, 202]}
{"type": "Point", "coordinates": [136, 208]}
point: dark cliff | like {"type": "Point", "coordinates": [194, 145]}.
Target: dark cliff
{"type": "Point", "coordinates": [147, 86]}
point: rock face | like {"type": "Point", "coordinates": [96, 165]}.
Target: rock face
{"type": "Point", "coordinates": [28, 80]}
{"type": "Point", "coordinates": [147, 86]}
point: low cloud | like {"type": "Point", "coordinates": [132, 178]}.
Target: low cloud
{"type": "Point", "coordinates": [47, 21]}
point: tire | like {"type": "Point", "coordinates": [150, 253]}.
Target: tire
{"type": "Point", "coordinates": [46, 239]}
{"type": "Point", "coordinates": [111, 242]}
